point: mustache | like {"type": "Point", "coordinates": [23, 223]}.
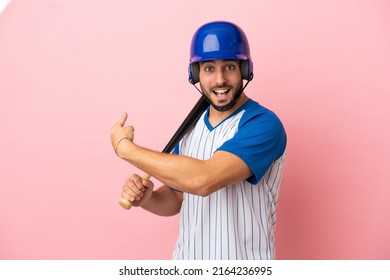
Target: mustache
{"type": "Point", "coordinates": [225, 85]}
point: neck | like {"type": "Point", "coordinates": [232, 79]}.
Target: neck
{"type": "Point", "coordinates": [215, 116]}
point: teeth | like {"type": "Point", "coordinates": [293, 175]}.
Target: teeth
{"type": "Point", "coordinates": [221, 91]}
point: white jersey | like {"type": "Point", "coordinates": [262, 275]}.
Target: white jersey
{"type": "Point", "coordinates": [238, 221]}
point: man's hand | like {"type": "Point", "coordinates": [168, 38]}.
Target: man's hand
{"type": "Point", "coordinates": [137, 190]}
{"type": "Point", "coordinates": [120, 132]}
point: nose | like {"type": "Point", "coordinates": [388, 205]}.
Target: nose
{"type": "Point", "coordinates": [220, 78]}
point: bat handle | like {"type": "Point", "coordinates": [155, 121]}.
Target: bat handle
{"type": "Point", "coordinates": [127, 204]}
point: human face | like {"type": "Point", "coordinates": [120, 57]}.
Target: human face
{"type": "Point", "coordinates": [220, 80]}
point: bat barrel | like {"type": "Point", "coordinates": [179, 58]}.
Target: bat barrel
{"type": "Point", "coordinates": [190, 120]}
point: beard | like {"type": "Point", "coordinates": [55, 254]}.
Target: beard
{"type": "Point", "coordinates": [235, 96]}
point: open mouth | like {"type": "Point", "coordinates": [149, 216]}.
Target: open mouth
{"type": "Point", "coordinates": [220, 92]}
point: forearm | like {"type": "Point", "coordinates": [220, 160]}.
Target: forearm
{"type": "Point", "coordinates": [164, 202]}
{"type": "Point", "coordinates": [190, 175]}
{"type": "Point", "coordinates": [181, 172]}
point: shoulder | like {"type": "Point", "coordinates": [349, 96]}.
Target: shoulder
{"type": "Point", "coordinates": [258, 115]}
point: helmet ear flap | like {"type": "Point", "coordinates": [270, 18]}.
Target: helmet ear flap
{"type": "Point", "coordinates": [246, 69]}
{"type": "Point", "coordinates": [193, 71]}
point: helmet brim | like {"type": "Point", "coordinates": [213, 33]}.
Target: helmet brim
{"type": "Point", "coordinates": [218, 55]}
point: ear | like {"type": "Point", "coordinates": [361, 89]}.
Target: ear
{"type": "Point", "coordinates": [193, 72]}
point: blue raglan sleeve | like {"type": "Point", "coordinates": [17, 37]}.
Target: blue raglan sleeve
{"type": "Point", "coordinates": [259, 141]}
{"type": "Point", "coordinates": [176, 150]}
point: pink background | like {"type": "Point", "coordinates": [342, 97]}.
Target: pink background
{"type": "Point", "coordinates": [69, 69]}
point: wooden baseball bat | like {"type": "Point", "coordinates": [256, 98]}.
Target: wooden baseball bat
{"type": "Point", "coordinates": [188, 122]}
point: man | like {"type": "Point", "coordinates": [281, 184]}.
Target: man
{"type": "Point", "coordinates": [224, 176]}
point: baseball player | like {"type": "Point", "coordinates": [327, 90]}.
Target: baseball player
{"type": "Point", "coordinates": [224, 175]}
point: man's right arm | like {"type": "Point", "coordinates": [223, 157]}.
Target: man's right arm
{"type": "Point", "coordinates": [163, 201]}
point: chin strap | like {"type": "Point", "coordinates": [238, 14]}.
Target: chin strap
{"type": "Point", "coordinates": [228, 106]}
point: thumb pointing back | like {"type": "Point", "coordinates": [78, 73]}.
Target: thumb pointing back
{"type": "Point", "coordinates": [122, 120]}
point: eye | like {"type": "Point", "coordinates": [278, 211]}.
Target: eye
{"type": "Point", "coordinates": [208, 68]}
{"type": "Point", "coordinates": [230, 67]}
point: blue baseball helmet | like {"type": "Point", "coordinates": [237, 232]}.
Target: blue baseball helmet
{"type": "Point", "coordinates": [219, 40]}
